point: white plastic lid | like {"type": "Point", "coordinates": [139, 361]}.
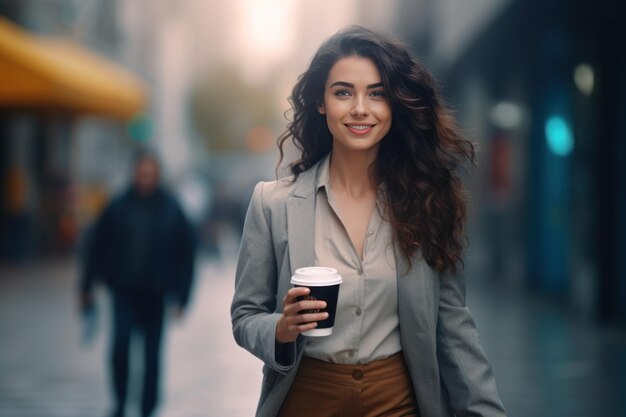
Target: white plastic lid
{"type": "Point", "coordinates": [316, 276]}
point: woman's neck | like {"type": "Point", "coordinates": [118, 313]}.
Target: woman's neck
{"type": "Point", "coordinates": [349, 172]}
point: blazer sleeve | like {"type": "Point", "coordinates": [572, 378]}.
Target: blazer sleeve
{"type": "Point", "coordinates": [253, 309]}
{"type": "Point", "coordinates": [464, 369]}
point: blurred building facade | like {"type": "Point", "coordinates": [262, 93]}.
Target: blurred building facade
{"type": "Point", "coordinates": [541, 87]}
{"type": "Point", "coordinates": [65, 106]}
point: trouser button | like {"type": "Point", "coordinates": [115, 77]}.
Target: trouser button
{"type": "Point", "coordinates": [358, 375]}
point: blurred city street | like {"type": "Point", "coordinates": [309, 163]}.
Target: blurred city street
{"type": "Point", "coordinates": [547, 361]}
{"type": "Point", "coordinates": [207, 88]}
{"type": "Point", "coordinates": [46, 371]}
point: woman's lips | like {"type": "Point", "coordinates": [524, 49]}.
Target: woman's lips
{"type": "Point", "coordinates": [360, 128]}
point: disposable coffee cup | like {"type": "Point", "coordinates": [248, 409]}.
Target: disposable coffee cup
{"type": "Point", "coordinates": [324, 285]}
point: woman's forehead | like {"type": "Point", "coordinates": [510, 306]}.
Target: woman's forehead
{"type": "Point", "coordinates": [356, 70]}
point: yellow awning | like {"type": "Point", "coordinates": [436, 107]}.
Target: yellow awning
{"type": "Point", "coordinates": [44, 73]}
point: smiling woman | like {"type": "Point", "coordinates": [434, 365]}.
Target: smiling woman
{"type": "Point", "coordinates": [375, 195]}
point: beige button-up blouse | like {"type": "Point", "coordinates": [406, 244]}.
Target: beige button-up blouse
{"type": "Point", "coordinates": [366, 324]}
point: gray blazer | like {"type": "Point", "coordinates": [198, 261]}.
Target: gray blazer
{"type": "Point", "coordinates": [450, 373]}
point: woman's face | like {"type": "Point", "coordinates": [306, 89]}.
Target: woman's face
{"type": "Point", "coordinates": [357, 111]}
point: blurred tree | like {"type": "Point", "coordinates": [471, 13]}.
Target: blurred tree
{"type": "Point", "coordinates": [224, 108]}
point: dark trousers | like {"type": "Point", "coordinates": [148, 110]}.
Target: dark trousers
{"type": "Point", "coordinates": [142, 312]}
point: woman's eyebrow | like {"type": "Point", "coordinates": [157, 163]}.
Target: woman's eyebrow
{"type": "Point", "coordinates": [350, 85]}
{"type": "Point", "coordinates": [342, 84]}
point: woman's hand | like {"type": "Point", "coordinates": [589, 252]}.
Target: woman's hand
{"type": "Point", "coordinates": [297, 316]}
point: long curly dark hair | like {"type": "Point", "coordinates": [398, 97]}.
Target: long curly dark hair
{"type": "Point", "coordinates": [417, 160]}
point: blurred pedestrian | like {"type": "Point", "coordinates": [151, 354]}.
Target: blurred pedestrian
{"type": "Point", "coordinates": [375, 195]}
{"type": "Point", "coordinates": [142, 248]}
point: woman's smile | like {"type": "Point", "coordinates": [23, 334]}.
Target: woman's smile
{"type": "Point", "coordinates": [360, 129]}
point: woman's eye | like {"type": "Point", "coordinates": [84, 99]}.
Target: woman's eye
{"type": "Point", "coordinates": [342, 93]}
{"type": "Point", "coordinates": [378, 93]}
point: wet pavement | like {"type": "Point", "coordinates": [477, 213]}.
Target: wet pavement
{"type": "Point", "coordinates": [548, 362]}
{"type": "Point", "coordinates": [46, 370]}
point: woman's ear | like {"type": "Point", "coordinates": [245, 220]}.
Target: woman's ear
{"type": "Point", "coordinates": [321, 108]}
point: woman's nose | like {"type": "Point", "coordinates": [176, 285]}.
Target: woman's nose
{"type": "Point", "coordinates": [360, 107]}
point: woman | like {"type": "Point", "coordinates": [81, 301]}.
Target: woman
{"type": "Point", "coordinates": [374, 194]}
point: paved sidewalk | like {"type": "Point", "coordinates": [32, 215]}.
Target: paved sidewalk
{"type": "Point", "coordinates": [548, 363]}
{"type": "Point", "coordinates": [45, 371]}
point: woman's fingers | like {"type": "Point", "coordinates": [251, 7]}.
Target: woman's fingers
{"type": "Point", "coordinates": [300, 319]}
{"type": "Point", "coordinates": [293, 294]}
{"type": "Point", "coordinates": [299, 314]}
{"type": "Point", "coordinates": [304, 307]}
{"type": "Point", "coordinates": [303, 327]}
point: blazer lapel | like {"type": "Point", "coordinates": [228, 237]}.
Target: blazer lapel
{"type": "Point", "coordinates": [301, 221]}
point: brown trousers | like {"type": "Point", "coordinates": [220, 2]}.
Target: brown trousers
{"type": "Point", "coordinates": [380, 388]}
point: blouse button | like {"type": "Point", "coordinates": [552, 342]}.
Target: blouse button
{"type": "Point", "coordinates": [360, 271]}
{"type": "Point", "coordinates": [370, 232]}
{"type": "Point", "coordinates": [357, 312]}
